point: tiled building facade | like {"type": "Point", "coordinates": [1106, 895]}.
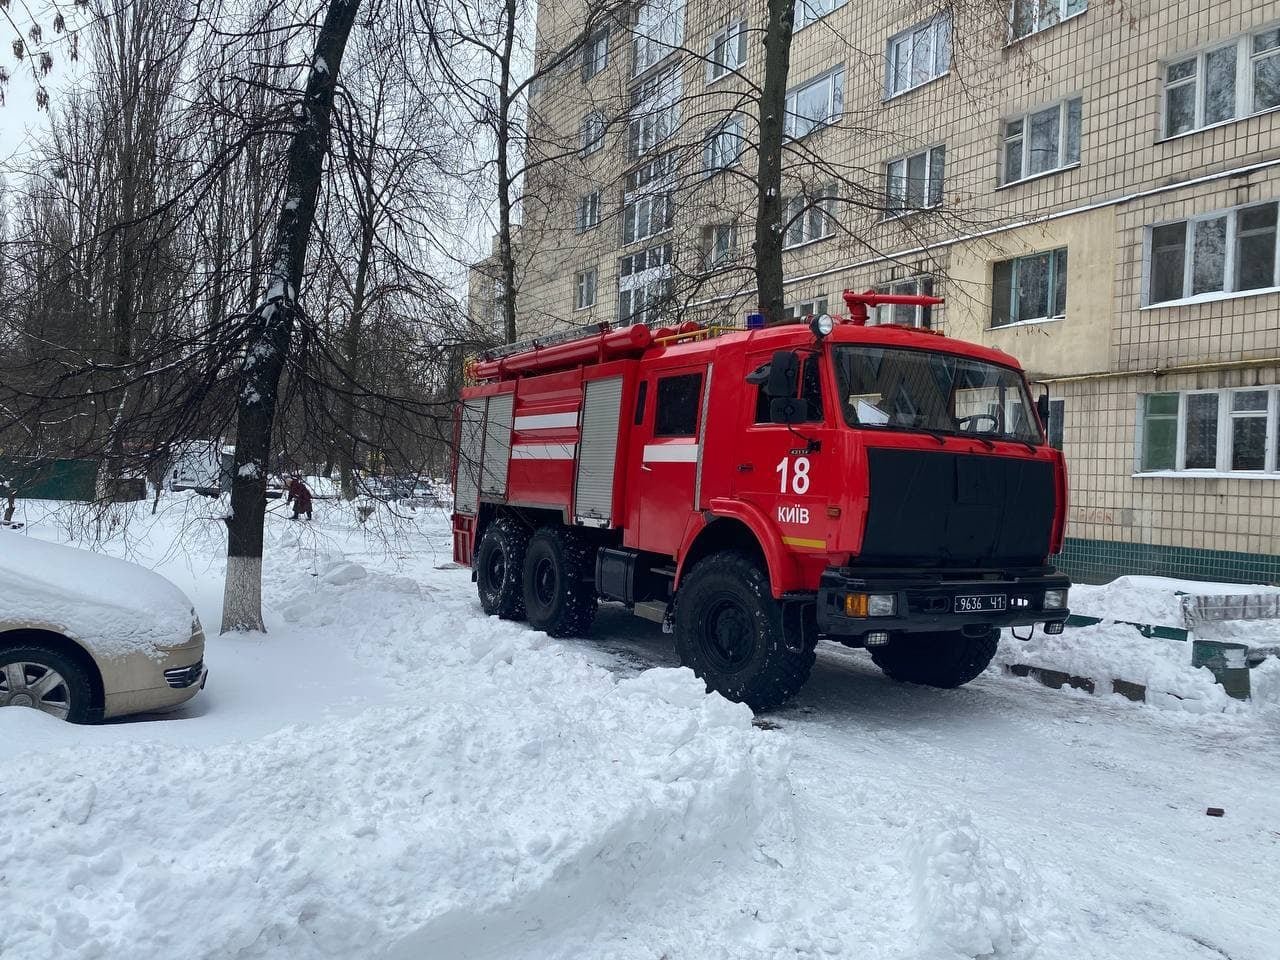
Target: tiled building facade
{"type": "Point", "coordinates": [1093, 188]}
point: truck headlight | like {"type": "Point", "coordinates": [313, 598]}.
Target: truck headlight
{"type": "Point", "coordinates": [882, 605]}
{"type": "Point", "coordinates": [1055, 599]}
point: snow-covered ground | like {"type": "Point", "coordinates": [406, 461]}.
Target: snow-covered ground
{"type": "Point", "coordinates": [387, 773]}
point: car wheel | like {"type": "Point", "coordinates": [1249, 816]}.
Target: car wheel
{"type": "Point", "coordinates": [499, 566]}
{"type": "Point", "coordinates": [559, 594]}
{"type": "Point", "coordinates": [944, 659]}
{"type": "Point", "coordinates": [46, 680]}
{"type": "Point", "coordinates": [729, 631]}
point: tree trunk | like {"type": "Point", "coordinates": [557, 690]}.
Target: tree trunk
{"type": "Point", "coordinates": [506, 253]}
{"type": "Point", "coordinates": [769, 206]}
{"type": "Point", "coordinates": [267, 342]}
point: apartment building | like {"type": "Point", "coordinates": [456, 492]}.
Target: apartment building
{"type": "Point", "coordinates": [1094, 188]}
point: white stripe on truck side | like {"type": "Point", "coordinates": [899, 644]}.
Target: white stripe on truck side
{"type": "Point", "coordinates": [545, 421]}
{"type": "Point", "coordinates": [671, 453]}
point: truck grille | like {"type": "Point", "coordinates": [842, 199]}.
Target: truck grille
{"type": "Point", "coordinates": [957, 510]}
{"type": "Point", "coordinates": [182, 677]}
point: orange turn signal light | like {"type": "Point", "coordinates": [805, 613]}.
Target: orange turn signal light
{"type": "Point", "coordinates": [855, 604]}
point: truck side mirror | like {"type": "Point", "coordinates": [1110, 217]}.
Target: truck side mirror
{"type": "Point", "coordinates": [789, 410]}
{"type": "Point", "coordinates": [1042, 408]}
{"type": "Point", "coordinates": [784, 376]}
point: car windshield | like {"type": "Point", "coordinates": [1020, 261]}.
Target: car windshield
{"type": "Point", "coordinates": [930, 392]}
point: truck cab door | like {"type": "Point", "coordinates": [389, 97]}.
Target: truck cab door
{"type": "Point", "coordinates": [666, 457]}
{"type": "Point", "coordinates": [780, 470]}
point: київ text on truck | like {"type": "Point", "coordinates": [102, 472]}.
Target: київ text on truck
{"type": "Point", "coordinates": [759, 490]}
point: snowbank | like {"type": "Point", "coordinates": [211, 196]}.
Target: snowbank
{"type": "Point", "coordinates": [512, 779]}
{"type": "Point", "coordinates": [1153, 600]}
{"type": "Point", "coordinates": [115, 606]}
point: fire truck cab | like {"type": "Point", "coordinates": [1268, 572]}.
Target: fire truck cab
{"type": "Point", "coordinates": [758, 490]}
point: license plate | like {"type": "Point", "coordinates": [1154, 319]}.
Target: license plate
{"type": "Point", "coordinates": [980, 604]}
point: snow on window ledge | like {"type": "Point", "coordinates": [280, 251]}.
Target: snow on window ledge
{"type": "Point", "coordinates": [1033, 322]}
{"type": "Point", "coordinates": [1204, 475]}
{"type": "Point", "coordinates": [1211, 298]}
{"type": "Point", "coordinates": [1215, 126]}
{"type": "Point", "coordinates": [919, 86]}
{"type": "Point", "coordinates": [1039, 176]}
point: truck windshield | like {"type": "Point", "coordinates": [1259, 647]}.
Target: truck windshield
{"type": "Point", "coordinates": [919, 390]}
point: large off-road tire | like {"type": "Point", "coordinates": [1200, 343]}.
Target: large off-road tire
{"type": "Point", "coordinates": [729, 631]}
{"type": "Point", "coordinates": [499, 566]}
{"type": "Point", "coordinates": [559, 584]}
{"type": "Point", "coordinates": [945, 659]}
{"type": "Point", "coordinates": [34, 675]}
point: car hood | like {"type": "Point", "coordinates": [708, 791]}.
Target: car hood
{"type": "Point", "coordinates": [111, 606]}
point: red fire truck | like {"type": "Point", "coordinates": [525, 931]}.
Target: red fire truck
{"type": "Point", "coordinates": [757, 490]}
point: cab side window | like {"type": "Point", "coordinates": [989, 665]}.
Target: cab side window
{"type": "Point", "coordinates": [810, 389]}
{"type": "Point", "coordinates": [676, 414]}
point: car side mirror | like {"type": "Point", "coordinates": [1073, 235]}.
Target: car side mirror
{"type": "Point", "coordinates": [789, 410]}
{"type": "Point", "coordinates": [1042, 408]}
{"type": "Point", "coordinates": [784, 376]}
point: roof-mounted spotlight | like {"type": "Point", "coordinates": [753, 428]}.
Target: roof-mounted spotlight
{"type": "Point", "coordinates": [822, 325]}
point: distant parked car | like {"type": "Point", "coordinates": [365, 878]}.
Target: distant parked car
{"type": "Point", "coordinates": [85, 637]}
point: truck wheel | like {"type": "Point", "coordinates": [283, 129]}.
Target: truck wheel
{"type": "Point", "coordinates": [944, 659]}
{"type": "Point", "coordinates": [559, 590]}
{"type": "Point", "coordinates": [499, 562]}
{"type": "Point", "coordinates": [728, 630]}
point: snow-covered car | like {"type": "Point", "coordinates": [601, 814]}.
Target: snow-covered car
{"type": "Point", "coordinates": [86, 637]}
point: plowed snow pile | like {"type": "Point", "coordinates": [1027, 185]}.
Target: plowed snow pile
{"type": "Point", "coordinates": [516, 771]}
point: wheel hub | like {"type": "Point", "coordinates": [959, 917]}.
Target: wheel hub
{"type": "Point", "coordinates": [21, 700]}
{"type": "Point", "coordinates": [544, 581]}
{"type": "Point", "coordinates": [729, 634]}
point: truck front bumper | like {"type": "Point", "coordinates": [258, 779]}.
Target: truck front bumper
{"type": "Point", "coordinates": [936, 600]}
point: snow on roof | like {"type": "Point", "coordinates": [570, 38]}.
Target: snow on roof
{"type": "Point", "coordinates": [112, 606]}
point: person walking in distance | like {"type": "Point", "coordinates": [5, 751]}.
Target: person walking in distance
{"type": "Point", "coordinates": [300, 497]}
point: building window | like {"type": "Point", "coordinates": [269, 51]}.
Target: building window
{"type": "Point", "coordinates": [1029, 288]}
{"type": "Point", "coordinates": [595, 53]}
{"type": "Point", "coordinates": [676, 412]}
{"type": "Point", "coordinates": [718, 243]}
{"type": "Point", "coordinates": [815, 104]}
{"type": "Point", "coordinates": [592, 132]}
{"type": "Point", "coordinates": [1057, 412]}
{"type": "Point", "coordinates": [914, 182]}
{"type": "Point", "coordinates": [1223, 431]}
{"type": "Point", "coordinates": [659, 29]}
{"type": "Point", "coordinates": [1039, 142]}
{"type": "Point", "coordinates": [646, 216]}
{"type": "Point", "coordinates": [902, 313]}
{"type": "Point", "coordinates": [809, 217]}
{"type": "Point", "coordinates": [589, 211]}
{"type": "Point", "coordinates": [584, 284]}
{"type": "Point", "coordinates": [916, 56]}
{"type": "Point", "coordinates": [644, 283]}
{"type": "Point", "coordinates": [655, 112]}
{"type": "Point", "coordinates": [813, 307]}
{"type": "Point", "coordinates": [1229, 81]}
{"type": "Point", "coordinates": [1229, 251]}
{"type": "Point", "coordinates": [659, 170]}
{"type": "Point", "coordinates": [1031, 16]}
{"type": "Point", "coordinates": [728, 51]}
{"type": "Point", "coordinates": [807, 11]}
{"type": "Point", "coordinates": [724, 145]}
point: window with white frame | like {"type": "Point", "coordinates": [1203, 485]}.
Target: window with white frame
{"type": "Point", "coordinates": [728, 51]}
{"type": "Point", "coordinates": [655, 112]}
{"type": "Point", "coordinates": [916, 56]}
{"type": "Point", "coordinates": [807, 11]}
{"type": "Point", "coordinates": [724, 145]}
{"type": "Point", "coordinates": [906, 314]}
{"type": "Point", "coordinates": [595, 53]}
{"type": "Point", "coordinates": [644, 283]}
{"type": "Point", "coordinates": [814, 104]}
{"type": "Point", "coordinates": [646, 216]}
{"type": "Point", "coordinates": [584, 287]}
{"type": "Point", "coordinates": [1221, 431]}
{"type": "Point", "coordinates": [809, 217]}
{"type": "Point", "coordinates": [812, 307]}
{"type": "Point", "coordinates": [589, 211]}
{"type": "Point", "coordinates": [1234, 79]}
{"type": "Point", "coordinates": [719, 241]}
{"type": "Point", "coordinates": [1031, 16]}
{"type": "Point", "coordinates": [1228, 251]}
{"type": "Point", "coordinates": [914, 182]}
{"type": "Point", "coordinates": [658, 30]}
{"type": "Point", "coordinates": [1026, 288]}
{"type": "Point", "coordinates": [592, 133]}
{"type": "Point", "coordinates": [1041, 141]}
